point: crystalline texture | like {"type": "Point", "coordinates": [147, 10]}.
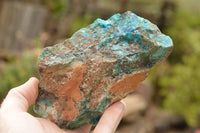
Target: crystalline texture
{"type": "Point", "coordinates": [97, 66]}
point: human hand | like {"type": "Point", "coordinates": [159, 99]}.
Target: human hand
{"type": "Point", "coordinates": [15, 119]}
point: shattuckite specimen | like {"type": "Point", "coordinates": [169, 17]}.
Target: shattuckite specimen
{"type": "Point", "coordinates": [97, 66]}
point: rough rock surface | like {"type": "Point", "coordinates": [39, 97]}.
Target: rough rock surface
{"type": "Point", "coordinates": [96, 67]}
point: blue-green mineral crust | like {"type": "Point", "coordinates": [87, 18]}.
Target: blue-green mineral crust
{"type": "Point", "coordinates": [97, 66]}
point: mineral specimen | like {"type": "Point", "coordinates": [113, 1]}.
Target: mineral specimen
{"type": "Point", "coordinates": [96, 67]}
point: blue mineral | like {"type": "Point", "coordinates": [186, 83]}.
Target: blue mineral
{"type": "Point", "coordinates": [97, 66]}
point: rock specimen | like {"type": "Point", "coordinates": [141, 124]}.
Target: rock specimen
{"type": "Point", "coordinates": [96, 67]}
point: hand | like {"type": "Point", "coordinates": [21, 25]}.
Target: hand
{"type": "Point", "coordinates": [15, 119]}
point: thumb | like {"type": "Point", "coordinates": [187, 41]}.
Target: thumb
{"type": "Point", "coordinates": [21, 97]}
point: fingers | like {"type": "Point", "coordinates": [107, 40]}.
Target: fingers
{"type": "Point", "coordinates": [20, 98]}
{"type": "Point", "coordinates": [111, 118]}
{"type": "Point", "coordinates": [85, 128]}
{"type": "Point", "coordinates": [49, 127]}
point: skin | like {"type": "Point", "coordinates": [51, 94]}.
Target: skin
{"type": "Point", "coordinates": [15, 119]}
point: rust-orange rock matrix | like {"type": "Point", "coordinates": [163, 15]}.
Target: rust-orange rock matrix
{"type": "Point", "coordinates": [96, 67]}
